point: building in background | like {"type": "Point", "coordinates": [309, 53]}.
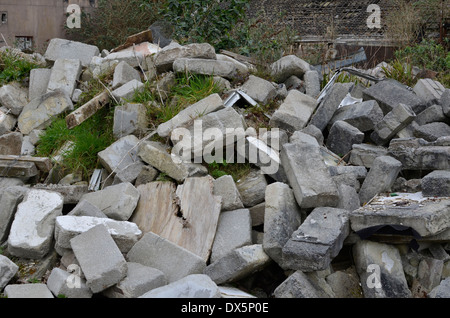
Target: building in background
{"type": "Point", "coordinates": [30, 24]}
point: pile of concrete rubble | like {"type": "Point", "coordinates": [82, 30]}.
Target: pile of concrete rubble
{"type": "Point", "coordinates": [358, 207]}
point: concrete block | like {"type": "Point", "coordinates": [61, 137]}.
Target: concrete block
{"type": "Point", "coordinates": [11, 144]}
{"type": "Point", "coordinates": [64, 76]}
{"type": "Point", "coordinates": [364, 116]}
{"type": "Point", "coordinates": [126, 92]}
{"type": "Point", "coordinates": [342, 137]}
{"type": "Point", "coordinates": [381, 177]}
{"type": "Point", "coordinates": [31, 233]}
{"type": "Point", "coordinates": [130, 119]}
{"type": "Point", "coordinates": [436, 184]}
{"type": "Point", "coordinates": [234, 230]}
{"type": "Point", "coordinates": [140, 280]}
{"type": "Point", "coordinates": [205, 67]}
{"type": "Point", "coordinates": [8, 270]}
{"type": "Point", "coordinates": [100, 259]}
{"type": "Point", "coordinates": [252, 188]}
{"type": "Point", "coordinates": [63, 283]}
{"type": "Point", "coordinates": [65, 49]}
{"type": "Point", "coordinates": [191, 286]}
{"type": "Point", "coordinates": [28, 291]}
{"type": "Point", "coordinates": [125, 234]}
{"type": "Point", "coordinates": [120, 154]}
{"type": "Point", "coordinates": [13, 98]}
{"type": "Point", "coordinates": [165, 58]}
{"type": "Point", "coordinates": [287, 66]}
{"type": "Point", "coordinates": [429, 90]}
{"type": "Point", "coordinates": [117, 202]}
{"type": "Point", "coordinates": [317, 241]}
{"type": "Point", "coordinates": [295, 112]}
{"type": "Point", "coordinates": [238, 264]}
{"type": "Point", "coordinates": [225, 187]}
{"type": "Point", "coordinates": [123, 73]}
{"type": "Point", "coordinates": [39, 78]}
{"type": "Point", "coordinates": [281, 218]}
{"type": "Point", "coordinates": [365, 154]}
{"type": "Point", "coordinates": [10, 197]}
{"type": "Point", "coordinates": [432, 131]}
{"type": "Point", "coordinates": [154, 251]}
{"type": "Point", "coordinates": [261, 90]}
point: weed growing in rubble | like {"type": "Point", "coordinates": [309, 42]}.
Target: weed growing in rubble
{"type": "Point", "coordinates": [13, 67]}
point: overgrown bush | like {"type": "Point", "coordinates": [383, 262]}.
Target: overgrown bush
{"type": "Point", "coordinates": [13, 67]}
{"type": "Point", "coordinates": [114, 20]}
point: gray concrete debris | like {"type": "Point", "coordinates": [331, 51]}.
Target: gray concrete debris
{"type": "Point", "coordinates": [11, 144]}
{"type": "Point", "coordinates": [381, 177]}
{"type": "Point", "coordinates": [261, 90]}
{"type": "Point", "coordinates": [295, 112]}
{"type": "Point", "coordinates": [32, 230]}
{"type": "Point", "coordinates": [28, 291]}
{"type": "Point", "coordinates": [237, 264]}
{"type": "Point", "coordinates": [317, 241]}
{"type": "Point", "coordinates": [380, 270]}
{"type": "Point", "coordinates": [100, 259]}
{"type": "Point", "coordinates": [123, 73]}
{"type": "Point", "coordinates": [436, 184]}
{"type": "Point", "coordinates": [432, 131]}
{"type": "Point", "coordinates": [191, 286]}
{"type": "Point", "coordinates": [10, 197]}
{"type": "Point", "coordinates": [281, 218]}
{"type": "Point", "coordinates": [8, 270]}
{"type": "Point", "coordinates": [120, 154]}
{"type": "Point", "coordinates": [13, 98]}
{"type": "Point", "coordinates": [252, 188]}
{"type": "Point", "coordinates": [140, 280]}
{"type": "Point", "coordinates": [234, 230]}
{"type": "Point", "coordinates": [298, 285]}
{"type": "Point", "coordinates": [364, 116]}
{"type": "Point", "coordinates": [429, 90]}
{"type": "Point", "coordinates": [60, 48]}
{"type": "Point", "coordinates": [225, 187]}
{"type": "Point", "coordinates": [287, 66]}
{"type": "Point", "coordinates": [64, 76]}
{"type": "Point", "coordinates": [308, 176]}
{"type": "Point", "coordinates": [365, 154]}
{"type": "Point", "coordinates": [130, 119]}
{"type": "Point", "coordinates": [342, 137]}
{"type": "Point", "coordinates": [147, 252]}
{"type": "Point", "coordinates": [39, 78]}
{"type": "Point", "coordinates": [211, 67]}
{"type": "Point", "coordinates": [64, 284]}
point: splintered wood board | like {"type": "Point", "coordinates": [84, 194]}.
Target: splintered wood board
{"type": "Point", "coordinates": [186, 215]}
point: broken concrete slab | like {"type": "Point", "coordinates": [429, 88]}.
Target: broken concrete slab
{"type": "Point", "coordinates": [133, 57]}
{"type": "Point", "coordinates": [445, 102]}
{"type": "Point", "coordinates": [342, 137]}
{"type": "Point", "coordinates": [61, 48]}
{"type": "Point", "coordinates": [312, 83]}
{"type": "Point", "coordinates": [10, 197]}
{"type": "Point", "coordinates": [295, 112]}
{"type": "Point", "coordinates": [140, 279]}
{"type": "Point", "coordinates": [441, 291]}
{"type": "Point", "coordinates": [125, 234]}
{"type": "Point", "coordinates": [13, 98]}
{"type": "Point", "coordinates": [39, 113]}
{"type": "Point", "coordinates": [28, 291]}
{"type": "Point", "coordinates": [100, 259]}
{"type": "Point", "coordinates": [234, 230]}
{"type": "Point", "coordinates": [129, 173]}
{"type": "Point", "coordinates": [32, 230]}
{"type": "Point", "coordinates": [430, 115]}
{"type": "Point", "coordinates": [380, 270]}
{"type": "Point", "coordinates": [308, 176]}
{"type": "Point", "coordinates": [317, 241]}
{"type": "Point", "coordinates": [418, 154]}
{"type": "Point", "coordinates": [238, 264]}
{"type": "Point", "coordinates": [205, 67]}
{"type": "Point", "coordinates": [345, 284]}
{"type": "Point", "coordinates": [429, 90]}
{"type": "Point", "coordinates": [63, 283]}
{"type": "Point", "coordinates": [120, 154]}
{"type": "Point", "coordinates": [123, 73]}
{"type": "Point", "coordinates": [19, 169]}
{"type": "Point", "coordinates": [329, 105]}
{"type": "Point", "coordinates": [393, 122]}
{"type": "Point", "coordinates": [158, 156]}
{"type": "Point", "coordinates": [287, 66]}
{"type": "Point", "coordinates": [205, 106]}
{"type": "Point", "coordinates": [252, 188]}
{"type": "Point", "coordinates": [72, 193]}
{"type": "Point", "coordinates": [39, 78]}
{"type": "Point", "coordinates": [117, 202]}
{"type": "Point", "coordinates": [7, 122]}
{"type": "Point", "coordinates": [11, 144]}
{"type": "Point", "coordinates": [191, 286]}
{"type": "Point", "coordinates": [364, 116]}
{"type": "Point", "coordinates": [64, 76]}
{"type": "Point", "coordinates": [164, 58]}
{"type": "Point", "coordinates": [390, 93]}
{"type": "Point", "coordinates": [147, 251]}
{"type": "Point", "coordinates": [225, 187]}
{"type": "Point", "coordinates": [85, 208]}
{"type": "Point", "coordinates": [281, 218]}
{"type": "Point", "coordinates": [130, 119]}
{"type": "Point", "coordinates": [365, 154]}
{"type": "Point", "coordinates": [298, 285]}
{"type": "Point", "coordinates": [432, 131]}
{"type": "Point", "coordinates": [261, 90]}
{"type": "Point", "coordinates": [427, 217]}
{"type": "Point", "coordinates": [127, 91]}
{"type": "Point", "coordinates": [436, 184]}
{"type": "Point", "coordinates": [8, 270]}
{"type": "Point", "coordinates": [381, 177]}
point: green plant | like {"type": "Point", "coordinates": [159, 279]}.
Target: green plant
{"type": "Point", "coordinates": [400, 72]}
{"type": "Point", "coordinates": [236, 170]}
{"type": "Point", "coordinates": [13, 67]}
{"type": "Point", "coordinates": [427, 54]}
{"type": "Point", "coordinates": [200, 21]}
{"type": "Point", "coordinates": [89, 138]}
{"type": "Point", "coordinates": [113, 21]}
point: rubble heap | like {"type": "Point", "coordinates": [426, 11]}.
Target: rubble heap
{"type": "Point", "coordinates": [359, 207]}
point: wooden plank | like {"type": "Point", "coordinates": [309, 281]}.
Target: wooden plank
{"type": "Point", "coordinates": [81, 114]}
{"type": "Point", "coordinates": [187, 215]}
{"type": "Point", "coordinates": [44, 164]}
{"type": "Point", "coordinates": [144, 36]}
